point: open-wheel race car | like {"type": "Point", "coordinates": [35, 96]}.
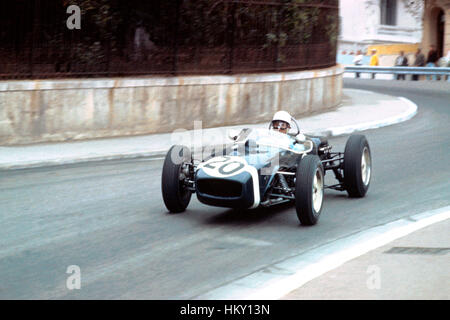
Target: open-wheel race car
{"type": "Point", "coordinates": [265, 168]}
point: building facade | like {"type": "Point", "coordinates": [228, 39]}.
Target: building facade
{"type": "Point", "coordinates": [436, 26]}
{"type": "Point", "coordinates": [371, 22]}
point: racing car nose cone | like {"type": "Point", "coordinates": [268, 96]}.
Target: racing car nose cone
{"type": "Point", "coordinates": [237, 191]}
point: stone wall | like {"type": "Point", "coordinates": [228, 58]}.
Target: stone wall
{"type": "Point", "coordinates": [63, 110]}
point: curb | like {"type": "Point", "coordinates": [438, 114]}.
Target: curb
{"type": "Point", "coordinates": [60, 162]}
{"type": "Point", "coordinates": [407, 115]}
{"type": "Point", "coordinates": [330, 132]}
{"type": "Point", "coordinates": [275, 281]}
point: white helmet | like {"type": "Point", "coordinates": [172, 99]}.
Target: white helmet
{"type": "Point", "coordinates": [282, 116]}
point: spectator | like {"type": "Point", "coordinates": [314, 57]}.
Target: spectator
{"type": "Point", "coordinates": [401, 61]}
{"type": "Point", "coordinates": [418, 62]}
{"type": "Point", "coordinates": [447, 58]}
{"type": "Point", "coordinates": [142, 45]}
{"type": "Point", "coordinates": [357, 61]}
{"type": "Point", "coordinates": [374, 61]}
{"type": "Point", "coordinates": [444, 62]}
{"type": "Point", "coordinates": [432, 58]}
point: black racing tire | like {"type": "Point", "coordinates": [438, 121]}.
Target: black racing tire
{"type": "Point", "coordinates": [175, 195]}
{"type": "Point", "coordinates": [357, 166]}
{"type": "Point", "coordinates": [308, 190]}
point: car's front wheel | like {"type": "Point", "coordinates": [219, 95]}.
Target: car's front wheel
{"type": "Point", "coordinates": [175, 193]}
{"type": "Point", "coordinates": [309, 186]}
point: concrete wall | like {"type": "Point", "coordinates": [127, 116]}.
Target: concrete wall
{"type": "Point", "coordinates": [62, 110]}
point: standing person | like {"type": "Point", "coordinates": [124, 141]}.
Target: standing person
{"type": "Point", "coordinates": [374, 61]}
{"type": "Point", "coordinates": [447, 59]}
{"type": "Point", "coordinates": [357, 61]}
{"type": "Point", "coordinates": [432, 58]}
{"type": "Point", "coordinates": [444, 62]}
{"type": "Point", "coordinates": [418, 62]}
{"type": "Point", "coordinates": [401, 61]}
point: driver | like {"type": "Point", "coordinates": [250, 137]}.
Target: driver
{"type": "Point", "coordinates": [281, 122]}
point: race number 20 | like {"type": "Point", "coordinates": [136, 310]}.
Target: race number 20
{"type": "Point", "coordinates": [224, 166]}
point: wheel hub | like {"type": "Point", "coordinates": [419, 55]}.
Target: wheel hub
{"type": "Point", "coordinates": [366, 166]}
{"type": "Point", "coordinates": [318, 190]}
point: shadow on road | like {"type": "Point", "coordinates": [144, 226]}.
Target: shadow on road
{"type": "Point", "coordinates": [248, 217]}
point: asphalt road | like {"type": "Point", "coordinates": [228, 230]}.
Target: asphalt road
{"type": "Point", "coordinates": [109, 219]}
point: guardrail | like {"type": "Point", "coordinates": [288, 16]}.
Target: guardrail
{"type": "Point", "coordinates": [399, 70]}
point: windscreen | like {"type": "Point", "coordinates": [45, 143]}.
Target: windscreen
{"type": "Point", "coordinates": [268, 140]}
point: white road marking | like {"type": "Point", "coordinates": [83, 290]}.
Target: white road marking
{"type": "Point", "coordinates": [278, 280]}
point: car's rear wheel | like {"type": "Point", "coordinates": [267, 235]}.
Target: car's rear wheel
{"type": "Point", "coordinates": [357, 166]}
{"type": "Point", "coordinates": [175, 193]}
{"type": "Point", "coordinates": [309, 186]}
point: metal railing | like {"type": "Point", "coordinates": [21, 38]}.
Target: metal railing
{"type": "Point", "coordinates": [429, 71]}
{"type": "Point", "coordinates": [166, 37]}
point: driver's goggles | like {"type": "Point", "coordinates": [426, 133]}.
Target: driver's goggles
{"type": "Point", "coordinates": [277, 125]}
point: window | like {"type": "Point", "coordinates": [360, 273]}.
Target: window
{"type": "Point", "coordinates": [388, 12]}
